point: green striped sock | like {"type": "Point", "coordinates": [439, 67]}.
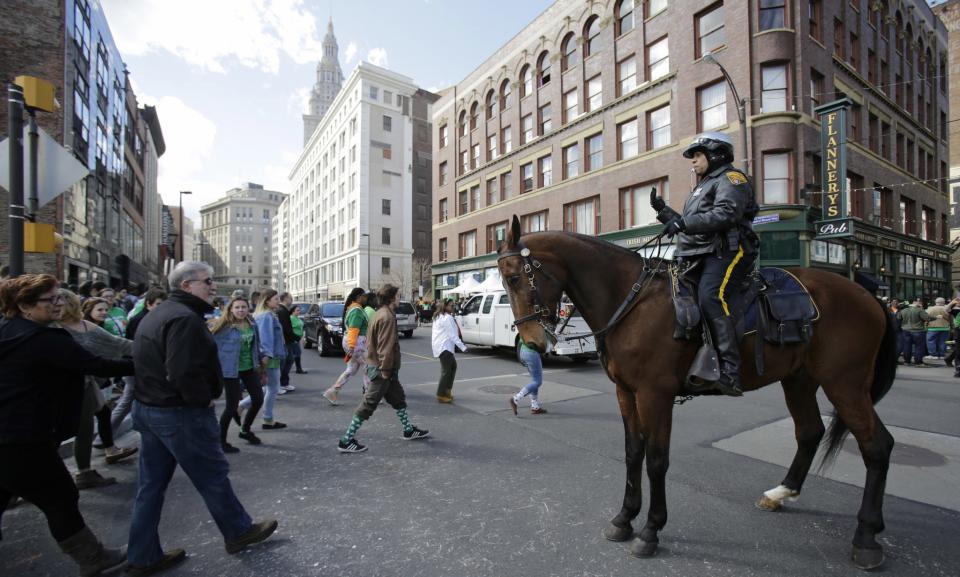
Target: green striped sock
{"type": "Point", "coordinates": [404, 420]}
{"type": "Point", "coordinates": [352, 429]}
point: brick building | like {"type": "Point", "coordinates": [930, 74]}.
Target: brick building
{"type": "Point", "coordinates": [949, 14]}
{"type": "Point", "coordinates": [571, 122]}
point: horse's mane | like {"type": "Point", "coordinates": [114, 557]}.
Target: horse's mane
{"type": "Point", "coordinates": [599, 244]}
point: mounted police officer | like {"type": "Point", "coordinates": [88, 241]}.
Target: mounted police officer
{"type": "Point", "coordinates": [716, 230]}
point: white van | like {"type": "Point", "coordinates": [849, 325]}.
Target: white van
{"type": "Point", "coordinates": [487, 320]}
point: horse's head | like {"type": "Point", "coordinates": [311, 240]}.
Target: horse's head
{"type": "Point", "coordinates": [534, 292]}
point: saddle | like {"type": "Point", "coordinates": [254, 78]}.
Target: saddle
{"type": "Point", "coordinates": [778, 309]}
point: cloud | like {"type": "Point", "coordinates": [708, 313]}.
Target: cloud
{"type": "Point", "coordinates": [299, 101]}
{"type": "Point", "coordinates": [350, 52]}
{"type": "Point", "coordinates": [216, 34]}
{"type": "Point", "coordinates": [378, 56]}
{"type": "Point", "coordinates": [276, 175]}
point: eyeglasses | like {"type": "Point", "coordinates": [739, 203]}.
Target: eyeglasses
{"type": "Point", "coordinates": [208, 281]}
{"type": "Point", "coordinates": [57, 300]}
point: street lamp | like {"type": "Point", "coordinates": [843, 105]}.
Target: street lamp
{"type": "Point", "coordinates": [369, 285]}
{"type": "Point", "coordinates": [741, 109]}
{"type": "Point", "coordinates": [182, 235]}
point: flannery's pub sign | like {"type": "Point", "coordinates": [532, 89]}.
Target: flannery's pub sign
{"type": "Point", "coordinates": [833, 148]}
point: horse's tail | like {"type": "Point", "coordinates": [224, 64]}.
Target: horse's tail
{"type": "Point", "coordinates": [884, 372]}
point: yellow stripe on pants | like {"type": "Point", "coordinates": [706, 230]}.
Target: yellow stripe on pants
{"type": "Point", "coordinates": [726, 279]}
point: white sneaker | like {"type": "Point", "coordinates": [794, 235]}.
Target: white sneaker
{"type": "Point", "coordinates": [331, 395]}
{"type": "Point", "coordinates": [282, 391]}
{"type": "Point", "coordinates": [290, 387]}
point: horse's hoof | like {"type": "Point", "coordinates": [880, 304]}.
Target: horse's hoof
{"type": "Point", "coordinates": [643, 549]}
{"type": "Point", "coordinates": [767, 504]}
{"type": "Point", "coordinates": [618, 534]}
{"type": "Point", "coordinates": [867, 559]}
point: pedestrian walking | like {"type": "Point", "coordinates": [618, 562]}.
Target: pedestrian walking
{"type": "Point", "coordinates": [383, 366]}
{"type": "Point", "coordinates": [151, 299]}
{"type": "Point", "coordinates": [913, 324]}
{"type": "Point", "coordinates": [41, 390]}
{"type": "Point", "coordinates": [178, 377]}
{"type": "Point", "coordinates": [116, 320]}
{"type": "Point", "coordinates": [355, 325]}
{"type": "Point", "coordinates": [238, 347]}
{"type": "Point", "coordinates": [532, 361]}
{"type": "Point", "coordinates": [101, 343]}
{"type": "Point", "coordinates": [446, 337]}
{"type": "Point", "coordinates": [273, 348]}
{"type": "Point", "coordinates": [297, 323]}
{"type": "Point", "coordinates": [938, 329]}
{"type": "Point", "coordinates": [370, 309]}
{"type": "Point", "coordinates": [289, 342]}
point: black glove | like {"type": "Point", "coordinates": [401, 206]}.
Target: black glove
{"type": "Point", "coordinates": [675, 226]}
{"type": "Point", "coordinates": [656, 202]}
{"type": "Point", "coordinates": [667, 214]}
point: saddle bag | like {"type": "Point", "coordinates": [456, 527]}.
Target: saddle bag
{"type": "Point", "coordinates": [687, 313]}
{"type": "Point", "coordinates": [786, 311]}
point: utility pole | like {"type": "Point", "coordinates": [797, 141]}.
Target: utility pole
{"type": "Point", "coordinates": [15, 130]}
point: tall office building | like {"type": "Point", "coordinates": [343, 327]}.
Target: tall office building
{"type": "Point", "coordinates": [327, 86]}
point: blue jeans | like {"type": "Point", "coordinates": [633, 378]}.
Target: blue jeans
{"type": "Point", "coordinates": [190, 437]}
{"type": "Point", "coordinates": [270, 391]}
{"type": "Point", "coordinates": [937, 343]}
{"type": "Point", "coordinates": [531, 360]}
{"type": "Point", "coordinates": [287, 363]}
{"type": "Point", "coordinates": [913, 343]}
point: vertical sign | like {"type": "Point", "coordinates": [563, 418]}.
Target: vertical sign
{"type": "Point", "coordinates": [833, 150]}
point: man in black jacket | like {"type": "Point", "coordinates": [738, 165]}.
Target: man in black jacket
{"type": "Point", "coordinates": [178, 377]}
{"type": "Point", "coordinates": [716, 229]}
{"type": "Point", "coordinates": [289, 340]}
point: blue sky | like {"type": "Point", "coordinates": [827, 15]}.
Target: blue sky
{"type": "Point", "coordinates": [230, 78]}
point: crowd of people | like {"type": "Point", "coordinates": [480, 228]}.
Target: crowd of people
{"type": "Point", "coordinates": [924, 332]}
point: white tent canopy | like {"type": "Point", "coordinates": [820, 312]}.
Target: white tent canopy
{"type": "Point", "coordinates": [466, 287]}
{"type": "Point", "coordinates": [491, 283]}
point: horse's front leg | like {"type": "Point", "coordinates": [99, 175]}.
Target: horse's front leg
{"type": "Point", "coordinates": [657, 415]}
{"type": "Point", "coordinates": [620, 528]}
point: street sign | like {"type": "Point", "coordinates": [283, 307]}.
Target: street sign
{"type": "Point", "coordinates": [767, 218]}
{"type": "Point", "coordinates": [834, 228]}
{"type": "Point", "coordinates": [57, 169]}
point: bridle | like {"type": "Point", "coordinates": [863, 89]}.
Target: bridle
{"type": "Point", "coordinates": [541, 313]}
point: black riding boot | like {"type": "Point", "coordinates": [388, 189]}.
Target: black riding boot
{"type": "Point", "coordinates": [728, 349]}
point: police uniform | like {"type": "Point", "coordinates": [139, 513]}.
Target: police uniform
{"type": "Point", "coordinates": [716, 229]}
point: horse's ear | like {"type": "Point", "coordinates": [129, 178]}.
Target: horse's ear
{"type": "Point", "coordinates": [515, 231]}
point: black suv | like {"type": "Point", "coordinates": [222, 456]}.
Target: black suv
{"type": "Point", "coordinates": [322, 327]}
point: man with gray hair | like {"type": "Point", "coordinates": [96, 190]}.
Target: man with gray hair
{"type": "Point", "coordinates": [938, 328]}
{"type": "Point", "coordinates": [178, 377]}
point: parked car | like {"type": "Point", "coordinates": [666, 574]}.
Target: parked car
{"type": "Point", "coordinates": [406, 318]}
{"type": "Point", "coordinates": [322, 328]}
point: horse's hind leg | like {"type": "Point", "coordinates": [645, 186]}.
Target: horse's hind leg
{"type": "Point", "coordinates": [801, 396]}
{"type": "Point", "coordinates": [657, 417]}
{"type": "Point", "coordinates": [620, 528]}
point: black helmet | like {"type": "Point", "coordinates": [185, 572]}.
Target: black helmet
{"type": "Point", "coordinates": [716, 145]}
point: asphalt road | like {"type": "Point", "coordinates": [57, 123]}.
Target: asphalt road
{"type": "Point", "coordinates": [490, 494]}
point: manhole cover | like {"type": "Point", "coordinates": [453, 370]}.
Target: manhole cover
{"type": "Point", "coordinates": [903, 454]}
{"type": "Point", "coordinates": [499, 389]}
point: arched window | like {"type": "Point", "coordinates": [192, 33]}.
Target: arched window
{"type": "Point", "coordinates": [492, 108]}
{"type": "Point", "coordinates": [908, 47]}
{"type": "Point", "coordinates": [505, 95]}
{"type": "Point", "coordinates": [624, 14]}
{"type": "Point", "coordinates": [543, 70]}
{"type": "Point", "coordinates": [570, 56]}
{"type": "Point", "coordinates": [463, 123]}
{"type": "Point", "coordinates": [474, 112]}
{"type": "Point", "coordinates": [526, 81]}
{"type": "Point", "coordinates": [591, 32]}
{"type": "Point", "coordinates": [899, 41]}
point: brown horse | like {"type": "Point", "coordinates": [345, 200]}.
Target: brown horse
{"type": "Point", "coordinates": [854, 363]}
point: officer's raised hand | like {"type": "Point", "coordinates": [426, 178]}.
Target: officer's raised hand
{"type": "Point", "coordinates": [656, 202]}
{"type": "Point", "coordinates": [664, 213]}
{"type": "Point", "coordinates": [674, 226]}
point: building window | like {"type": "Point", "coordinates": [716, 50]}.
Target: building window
{"type": "Point", "coordinates": [491, 104]}
{"type": "Point", "coordinates": [627, 136]}
{"type": "Point", "coordinates": [773, 14]}
{"type": "Point", "coordinates": [776, 177]}
{"type": "Point", "coordinates": [658, 127]}
{"type": "Point", "coordinates": [464, 197]}
{"type": "Point", "coordinates": [570, 56]}
{"type": "Point", "coordinates": [496, 233]}
{"type": "Point", "coordinates": [506, 185]}
{"type": "Point", "coordinates": [443, 211]}
{"type": "Point", "coordinates": [544, 119]}
{"type": "Point", "coordinates": [491, 147]}
{"type": "Point", "coordinates": [839, 38]}
{"type": "Point", "coordinates": [543, 70]}
{"type": "Point", "coordinates": [384, 265]}
{"type": "Point", "coordinates": [594, 94]}
{"type": "Point", "coordinates": [387, 123]}
{"type": "Point", "coordinates": [710, 30]}
{"type": "Point", "coordinates": [385, 206]}
{"type": "Point", "coordinates": [468, 244]}
{"type": "Point", "coordinates": [635, 209]}
{"type": "Point", "coordinates": [582, 217]}
{"type": "Point", "coordinates": [535, 222]}
{"type": "Point", "coordinates": [475, 156]}
{"type": "Point", "coordinates": [815, 18]}
{"type": "Point", "coordinates": [443, 136]}
{"type": "Point", "coordinates": [443, 250]}
{"type": "Point", "coordinates": [506, 139]}
{"type": "Point", "coordinates": [474, 112]}
{"type": "Point", "coordinates": [526, 81]}
{"type": "Point", "coordinates": [626, 75]}
{"type": "Point", "coordinates": [374, 93]}
{"type": "Point", "coordinates": [594, 152]}
{"type": "Point", "coordinates": [658, 59]}
{"type": "Point", "coordinates": [474, 197]}
{"type": "Point", "coordinates": [385, 235]}
{"type": "Point", "coordinates": [624, 14]}
{"type": "Point", "coordinates": [816, 90]}
{"type": "Point", "coordinates": [571, 106]}
{"type": "Point", "coordinates": [505, 95]}
{"type": "Point", "coordinates": [443, 173]}
{"type": "Point", "coordinates": [491, 191]}
{"type": "Point", "coordinates": [591, 36]}
{"type": "Point", "coordinates": [526, 176]}
{"type": "Point", "coordinates": [387, 152]}
{"type": "Point", "coordinates": [464, 161]}
{"type": "Point", "coordinates": [526, 129]}
{"type": "Point", "coordinates": [545, 170]}
{"type": "Point", "coordinates": [654, 7]}
{"type": "Point", "coordinates": [774, 87]}
{"type": "Point", "coordinates": [712, 103]}
{"type": "Point", "coordinates": [571, 160]}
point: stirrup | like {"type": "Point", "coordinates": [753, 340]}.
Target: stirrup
{"type": "Point", "coordinates": [729, 386]}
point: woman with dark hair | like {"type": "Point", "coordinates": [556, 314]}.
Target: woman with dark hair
{"type": "Point", "coordinates": [373, 303]}
{"type": "Point", "coordinates": [445, 339]}
{"type": "Point", "coordinates": [242, 363]}
{"type": "Point", "coordinates": [272, 347]}
{"type": "Point", "coordinates": [41, 389]}
{"type": "Point", "coordinates": [355, 323]}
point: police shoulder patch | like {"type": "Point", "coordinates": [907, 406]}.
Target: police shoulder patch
{"type": "Point", "coordinates": [736, 177]}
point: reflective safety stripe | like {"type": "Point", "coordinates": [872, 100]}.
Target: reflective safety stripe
{"type": "Point", "coordinates": [726, 279]}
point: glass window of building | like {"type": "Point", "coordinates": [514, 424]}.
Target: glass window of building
{"type": "Point", "coordinates": [773, 14]}
{"type": "Point", "coordinates": [582, 217]}
{"type": "Point", "coordinates": [776, 177]}
{"type": "Point", "coordinates": [624, 17]}
{"type": "Point", "coordinates": [774, 87]}
{"type": "Point", "coordinates": [635, 209]}
{"type": "Point", "coordinates": [710, 29]}
{"type": "Point", "coordinates": [658, 58]}
{"type": "Point", "coordinates": [570, 55]}
{"type": "Point", "coordinates": [627, 136]}
{"type": "Point", "coordinates": [594, 152]}
{"type": "Point", "coordinates": [571, 160]}
{"type": "Point", "coordinates": [712, 103]}
{"type": "Point", "coordinates": [658, 127]}
{"type": "Point", "coordinates": [626, 75]}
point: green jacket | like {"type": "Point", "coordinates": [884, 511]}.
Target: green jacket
{"type": "Point", "coordinates": [913, 318]}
